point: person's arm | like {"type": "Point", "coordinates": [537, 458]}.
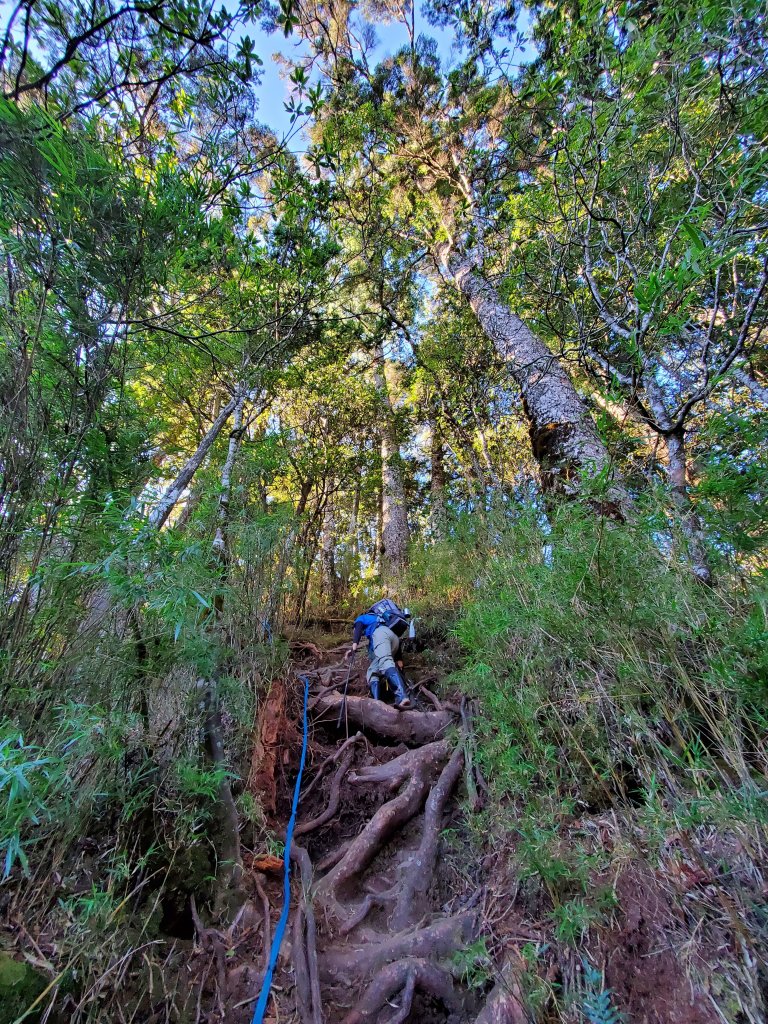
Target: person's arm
{"type": "Point", "coordinates": [357, 632]}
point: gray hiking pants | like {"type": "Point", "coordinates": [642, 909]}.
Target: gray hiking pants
{"type": "Point", "coordinates": [385, 645]}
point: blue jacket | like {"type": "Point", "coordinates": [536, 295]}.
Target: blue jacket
{"type": "Point", "coordinates": [364, 625]}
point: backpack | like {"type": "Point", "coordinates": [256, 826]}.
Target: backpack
{"type": "Point", "coordinates": [388, 614]}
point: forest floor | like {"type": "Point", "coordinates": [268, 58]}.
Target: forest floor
{"type": "Point", "coordinates": [398, 913]}
{"type": "Point", "coordinates": [388, 920]}
{"type": "Point", "coordinates": [408, 904]}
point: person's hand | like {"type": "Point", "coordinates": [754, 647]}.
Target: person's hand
{"type": "Point", "coordinates": [350, 653]}
{"type": "Point", "coordinates": [400, 664]}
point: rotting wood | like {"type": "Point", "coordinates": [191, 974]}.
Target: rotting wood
{"type": "Point", "coordinates": [505, 1004]}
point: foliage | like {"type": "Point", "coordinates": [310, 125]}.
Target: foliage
{"type": "Point", "coordinates": [218, 353]}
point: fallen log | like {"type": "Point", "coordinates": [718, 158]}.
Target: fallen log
{"type": "Point", "coordinates": [411, 727]}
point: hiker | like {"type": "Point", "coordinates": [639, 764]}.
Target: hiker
{"type": "Point", "coordinates": [384, 624]}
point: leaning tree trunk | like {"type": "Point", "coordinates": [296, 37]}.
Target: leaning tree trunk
{"type": "Point", "coordinates": [166, 504]}
{"type": "Point", "coordinates": [394, 533]}
{"type": "Point", "coordinates": [564, 439]}
{"type": "Point", "coordinates": [748, 380]}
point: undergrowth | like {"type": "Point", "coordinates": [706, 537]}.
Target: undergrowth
{"type": "Point", "coordinates": [623, 710]}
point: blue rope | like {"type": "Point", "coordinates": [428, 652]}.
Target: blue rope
{"type": "Point", "coordinates": [261, 1006]}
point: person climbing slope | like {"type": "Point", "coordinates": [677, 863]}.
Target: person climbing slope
{"type": "Point", "coordinates": [384, 624]}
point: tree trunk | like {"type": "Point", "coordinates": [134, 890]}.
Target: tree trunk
{"type": "Point", "coordinates": [395, 533]}
{"type": "Point", "coordinates": [328, 552]}
{"type": "Point", "coordinates": [221, 540]}
{"type": "Point", "coordinates": [677, 475]}
{"type": "Point", "coordinates": [563, 436]}
{"type": "Point", "coordinates": [749, 381]}
{"type": "Point", "coordinates": [437, 506]}
{"type": "Point", "coordinates": [677, 470]}
{"type": "Point", "coordinates": [165, 506]}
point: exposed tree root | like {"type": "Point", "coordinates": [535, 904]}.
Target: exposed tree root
{"type": "Point", "coordinates": [267, 926]}
{"type": "Point", "coordinates": [412, 900]}
{"type": "Point", "coordinates": [505, 1004]}
{"type": "Point", "coordinates": [332, 858]}
{"type": "Point", "coordinates": [305, 939]}
{"type": "Point", "coordinates": [333, 801]}
{"type": "Point", "coordinates": [300, 968]}
{"type": "Point", "coordinates": [436, 941]}
{"type": "Point", "coordinates": [411, 727]}
{"type": "Point", "coordinates": [431, 697]}
{"type": "Point", "coordinates": [418, 767]}
{"type": "Point", "coordinates": [334, 757]}
{"type": "Point", "coordinates": [371, 900]}
{"type": "Point", "coordinates": [404, 976]}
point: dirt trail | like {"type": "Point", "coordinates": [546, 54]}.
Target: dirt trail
{"type": "Point", "coordinates": [375, 927]}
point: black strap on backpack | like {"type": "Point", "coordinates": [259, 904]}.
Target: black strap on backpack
{"type": "Point", "coordinates": [390, 615]}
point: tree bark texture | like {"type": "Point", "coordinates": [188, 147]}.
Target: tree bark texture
{"type": "Point", "coordinates": [677, 475]}
{"type": "Point", "coordinates": [395, 533]}
{"type": "Point", "coordinates": [563, 436]}
{"type": "Point", "coordinates": [330, 582]}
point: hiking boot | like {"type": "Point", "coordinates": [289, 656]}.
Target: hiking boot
{"type": "Point", "coordinates": [402, 701]}
{"type": "Point", "coordinates": [374, 684]}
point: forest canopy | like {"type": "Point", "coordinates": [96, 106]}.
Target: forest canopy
{"type": "Point", "coordinates": [477, 323]}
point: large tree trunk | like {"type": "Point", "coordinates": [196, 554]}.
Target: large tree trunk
{"type": "Point", "coordinates": [564, 439]}
{"type": "Point", "coordinates": [395, 533]}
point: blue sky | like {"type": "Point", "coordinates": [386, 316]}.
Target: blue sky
{"type": "Point", "coordinates": [274, 89]}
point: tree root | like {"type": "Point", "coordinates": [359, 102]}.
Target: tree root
{"type": "Point", "coordinates": [403, 977]}
{"type": "Point", "coordinates": [371, 900]}
{"type": "Point", "coordinates": [505, 1004]}
{"type": "Point", "coordinates": [418, 767]}
{"type": "Point", "coordinates": [332, 759]}
{"type": "Point", "coordinates": [333, 801]}
{"type": "Point", "coordinates": [431, 697]}
{"type": "Point", "coordinates": [267, 923]}
{"type": "Point", "coordinates": [411, 727]}
{"type": "Point", "coordinates": [305, 945]}
{"type": "Point", "coordinates": [332, 858]}
{"type": "Point", "coordinates": [419, 869]}
{"type": "Point", "coordinates": [436, 941]}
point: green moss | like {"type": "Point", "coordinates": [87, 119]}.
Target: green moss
{"type": "Point", "coordinates": [20, 985]}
